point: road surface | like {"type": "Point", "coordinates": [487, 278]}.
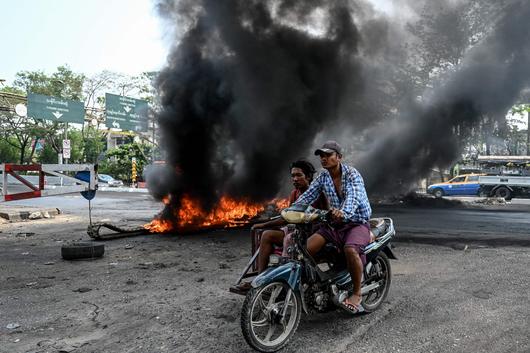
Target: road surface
{"type": "Point", "coordinates": [461, 284]}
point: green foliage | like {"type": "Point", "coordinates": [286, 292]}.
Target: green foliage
{"type": "Point", "coordinates": [63, 83]}
{"type": "Point", "coordinates": [520, 109]}
{"type": "Point", "coordinates": [47, 155]}
{"type": "Point", "coordinates": [13, 90]}
{"type": "Point", "coordinates": [16, 134]}
{"type": "Point", "coordinates": [119, 160]}
{"type": "Point", "coordinates": [8, 151]}
{"type": "Point", "coordinates": [77, 145]}
{"type": "Point", "coordinates": [94, 144]}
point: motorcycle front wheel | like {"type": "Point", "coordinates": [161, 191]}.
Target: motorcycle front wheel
{"type": "Point", "coordinates": [380, 273]}
{"type": "Point", "coordinates": [267, 320]}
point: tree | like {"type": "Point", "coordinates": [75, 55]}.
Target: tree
{"type": "Point", "coordinates": [15, 131]}
{"type": "Point", "coordinates": [119, 160]}
{"type": "Point", "coordinates": [140, 86]}
{"type": "Point", "coordinates": [517, 112]}
{"type": "Point", "coordinates": [63, 83]}
{"type": "Point", "coordinates": [93, 144]}
{"type": "Point", "coordinates": [8, 150]}
{"type": "Point", "coordinates": [444, 32]}
{"type": "Point", "coordinates": [88, 143]}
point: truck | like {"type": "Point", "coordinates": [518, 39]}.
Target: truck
{"type": "Point", "coordinates": [506, 186]}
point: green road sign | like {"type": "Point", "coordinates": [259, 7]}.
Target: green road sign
{"type": "Point", "coordinates": [126, 113]}
{"type": "Point", "coordinates": [55, 109]}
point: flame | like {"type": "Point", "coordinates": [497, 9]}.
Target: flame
{"type": "Point", "coordinates": [227, 213]}
{"type": "Point", "coordinates": [159, 225]}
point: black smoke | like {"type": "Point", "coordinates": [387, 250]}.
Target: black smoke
{"type": "Point", "coordinates": [248, 87]}
{"type": "Point", "coordinates": [249, 84]}
{"type": "Point", "coordinates": [488, 82]}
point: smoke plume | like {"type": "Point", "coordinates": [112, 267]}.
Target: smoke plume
{"type": "Point", "coordinates": [247, 89]}
{"type": "Point", "coordinates": [487, 83]}
{"type": "Point", "coordinates": [249, 85]}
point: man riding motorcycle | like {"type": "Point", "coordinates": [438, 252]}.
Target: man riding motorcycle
{"type": "Point", "coordinates": [337, 258]}
{"type": "Point", "coordinates": [344, 189]}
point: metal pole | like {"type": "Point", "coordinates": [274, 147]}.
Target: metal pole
{"type": "Point", "coordinates": [528, 133]}
{"type": "Point", "coordinates": [154, 144]}
{"type": "Point", "coordinates": [66, 138]}
{"type": "Point", "coordinates": [5, 181]}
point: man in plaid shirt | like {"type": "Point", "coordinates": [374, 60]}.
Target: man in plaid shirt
{"type": "Point", "coordinates": [343, 186]}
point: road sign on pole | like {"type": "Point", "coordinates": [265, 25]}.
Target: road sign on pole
{"type": "Point", "coordinates": [126, 113]}
{"type": "Point", "coordinates": [55, 109]}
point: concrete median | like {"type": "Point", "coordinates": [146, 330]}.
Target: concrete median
{"type": "Point", "coordinates": [17, 214]}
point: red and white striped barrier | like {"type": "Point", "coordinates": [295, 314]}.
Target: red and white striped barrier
{"type": "Point", "coordinates": [9, 169]}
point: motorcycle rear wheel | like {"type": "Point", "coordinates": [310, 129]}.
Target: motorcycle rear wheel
{"type": "Point", "coordinates": [261, 319]}
{"type": "Point", "coordinates": [382, 273]}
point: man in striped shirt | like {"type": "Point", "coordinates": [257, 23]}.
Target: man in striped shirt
{"type": "Point", "coordinates": [344, 189]}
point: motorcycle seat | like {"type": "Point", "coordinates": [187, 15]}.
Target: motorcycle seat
{"type": "Point", "coordinates": [377, 226]}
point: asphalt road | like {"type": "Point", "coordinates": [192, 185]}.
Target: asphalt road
{"type": "Point", "coordinates": [430, 224]}
{"type": "Point", "coordinates": [461, 284]}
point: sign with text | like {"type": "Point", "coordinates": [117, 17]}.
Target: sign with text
{"type": "Point", "coordinates": [55, 109]}
{"type": "Point", "coordinates": [126, 113]}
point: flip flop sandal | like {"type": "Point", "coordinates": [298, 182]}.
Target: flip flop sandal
{"type": "Point", "coordinates": [241, 288]}
{"type": "Point", "coordinates": [352, 308]}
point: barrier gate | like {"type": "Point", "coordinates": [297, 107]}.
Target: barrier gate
{"type": "Point", "coordinates": [86, 179]}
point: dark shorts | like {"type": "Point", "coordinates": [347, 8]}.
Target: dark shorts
{"type": "Point", "coordinates": [349, 235]}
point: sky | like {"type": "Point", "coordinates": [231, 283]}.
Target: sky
{"type": "Point", "coordinates": [90, 36]}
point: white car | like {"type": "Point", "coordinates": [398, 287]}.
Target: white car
{"type": "Point", "coordinates": [110, 181]}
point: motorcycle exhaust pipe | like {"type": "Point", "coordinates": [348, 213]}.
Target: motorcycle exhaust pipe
{"type": "Point", "coordinates": [369, 288]}
{"type": "Point", "coordinates": [340, 295]}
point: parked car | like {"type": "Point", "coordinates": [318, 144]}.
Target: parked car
{"type": "Point", "coordinates": [466, 184]}
{"type": "Point", "coordinates": [110, 181]}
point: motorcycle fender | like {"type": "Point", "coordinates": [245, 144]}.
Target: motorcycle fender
{"type": "Point", "coordinates": [289, 273]}
{"type": "Point", "coordinates": [389, 253]}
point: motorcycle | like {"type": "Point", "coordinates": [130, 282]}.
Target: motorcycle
{"type": "Point", "coordinates": [300, 283]}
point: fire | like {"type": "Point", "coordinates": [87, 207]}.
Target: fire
{"type": "Point", "coordinates": [158, 225]}
{"type": "Point", "coordinates": [227, 213]}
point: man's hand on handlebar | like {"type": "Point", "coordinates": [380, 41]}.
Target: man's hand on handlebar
{"type": "Point", "coordinates": [337, 215]}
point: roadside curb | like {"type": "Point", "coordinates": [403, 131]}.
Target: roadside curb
{"type": "Point", "coordinates": [18, 216]}
{"type": "Point", "coordinates": [121, 189]}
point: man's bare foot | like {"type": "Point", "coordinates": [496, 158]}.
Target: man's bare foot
{"type": "Point", "coordinates": [354, 300]}
{"type": "Point", "coordinates": [353, 304]}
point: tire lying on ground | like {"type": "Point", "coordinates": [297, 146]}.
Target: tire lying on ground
{"type": "Point", "coordinates": [82, 250]}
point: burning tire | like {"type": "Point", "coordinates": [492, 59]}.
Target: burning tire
{"type": "Point", "coordinates": [82, 250]}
